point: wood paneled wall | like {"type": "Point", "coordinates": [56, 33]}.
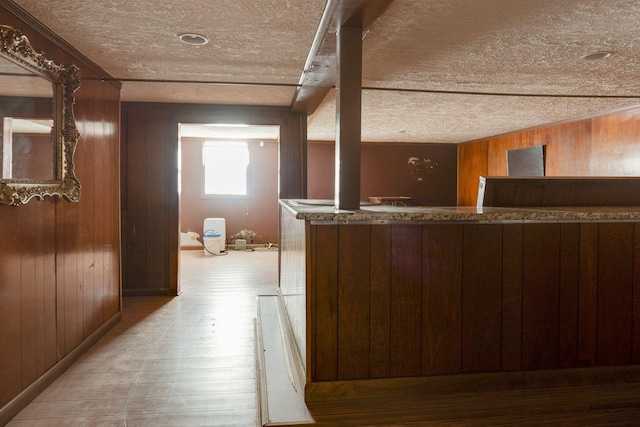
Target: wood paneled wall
{"type": "Point", "coordinates": [606, 145]}
{"type": "Point", "coordinates": [293, 281]}
{"type": "Point", "coordinates": [60, 261]}
{"type": "Point", "coordinates": [150, 200]}
{"type": "Point", "coordinates": [429, 299]}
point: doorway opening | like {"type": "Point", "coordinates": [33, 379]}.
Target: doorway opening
{"type": "Point", "coordinates": [228, 176]}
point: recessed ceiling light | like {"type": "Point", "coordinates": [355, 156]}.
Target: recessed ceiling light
{"type": "Point", "coordinates": [193, 39]}
{"type": "Point", "coordinates": [597, 55]}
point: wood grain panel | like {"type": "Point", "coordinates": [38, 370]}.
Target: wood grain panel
{"type": "Point", "coordinates": [50, 291]}
{"type": "Point", "coordinates": [380, 302]}
{"type": "Point", "coordinates": [569, 141]}
{"type": "Point", "coordinates": [95, 266]}
{"type": "Point", "coordinates": [636, 295]}
{"type": "Point", "coordinates": [297, 266]}
{"type": "Point", "coordinates": [172, 241]}
{"type": "Point", "coordinates": [135, 237]}
{"type": "Point", "coordinates": [540, 287]}
{"type": "Point", "coordinates": [615, 293]}
{"type": "Point", "coordinates": [49, 286]}
{"type": "Point", "coordinates": [311, 288]}
{"type": "Point", "coordinates": [354, 243]}
{"type": "Point", "coordinates": [588, 295]}
{"type": "Point", "coordinates": [497, 151]}
{"type": "Point", "coordinates": [89, 117]}
{"type": "Point", "coordinates": [68, 278]}
{"type": "Point", "coordinates": [155, 245]}
{"type": "Point", "coordinates": [481, 298]}
{"type": "Point", "coordinates": [472, 162]}
{"type": "Point", "coordinates": [326, 303]}
{"type": "Point", "coordinates": [569, 295]}
{"type": "Point", "coordinates": [614, 143]}
{"type": "Point", "coordinates": [442, 299]}
{"type": "Point", "coordinates": [512, 238]}
{"type": "Point", "coordinates": [28, 297]}
{"type": "Point", "coordinates": [10, 304]}
{"type": "Point", "coordinates": [406, 297]}
{"type": "Point", "coordinates": [600, 146]}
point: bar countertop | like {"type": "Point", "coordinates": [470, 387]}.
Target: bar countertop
{"type": "Point", "coordinates": [321, 211]}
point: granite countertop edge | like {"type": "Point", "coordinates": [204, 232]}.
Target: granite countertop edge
{"type": "Point", "coordinates": [325, 211]}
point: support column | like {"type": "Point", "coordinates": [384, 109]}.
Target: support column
{"type": "Point", "coordinates": [348, 117]}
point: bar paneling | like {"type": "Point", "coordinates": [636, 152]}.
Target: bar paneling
{"type": "Point", "coordinates": [395, 300]}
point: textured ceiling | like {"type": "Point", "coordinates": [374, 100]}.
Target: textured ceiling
{"type": "Point", "coordinates": [451, 70]}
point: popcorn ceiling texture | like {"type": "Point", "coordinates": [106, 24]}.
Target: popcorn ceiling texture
{"type": "Point", "coordinates": [488, 46]}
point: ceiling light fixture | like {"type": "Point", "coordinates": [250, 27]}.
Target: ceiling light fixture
{"type": "Point", "coordinates": [193, 39]}
{"type": "Point", "coordinates": [597, 55]}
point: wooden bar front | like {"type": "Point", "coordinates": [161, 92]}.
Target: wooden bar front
{"type": "Point", "coordinates": [416, 299]}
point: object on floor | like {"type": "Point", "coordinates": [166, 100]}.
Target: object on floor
{"type": "Point", "coordinates": [189, 240]}
{"type": "Point", "coordinates": [214, 236]}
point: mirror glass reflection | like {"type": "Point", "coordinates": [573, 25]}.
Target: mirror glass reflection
{"type": "Point", "coordinates": [26, 109]}
{"type": "Point", "coordinates": [37, 125]}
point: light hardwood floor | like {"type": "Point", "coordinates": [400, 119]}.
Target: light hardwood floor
{"type": "Point", "coordinates": [190, 361]}
{"type": "Point", "coordinates": [171, 361]}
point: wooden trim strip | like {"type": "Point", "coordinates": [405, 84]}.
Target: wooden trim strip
{"type": "Point", "coordinates": [19, 402]}
{"type": "Point", "coordinates": [410, 387]}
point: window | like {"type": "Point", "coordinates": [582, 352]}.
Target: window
{"type": "Point", "coordinates": [225, 166]}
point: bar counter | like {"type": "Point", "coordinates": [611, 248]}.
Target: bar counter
{"type": "Point", "coordinates": [391, 293]}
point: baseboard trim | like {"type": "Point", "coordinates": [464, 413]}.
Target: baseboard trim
{"type": "Point", "coordinates": [19, 402]}
{"type": "Point", "coordinates": [464, 383]}
{"type": "Point", "coordinates": [147, 293]}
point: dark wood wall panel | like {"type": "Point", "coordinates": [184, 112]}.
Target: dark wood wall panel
{"type": "Point", "coordinates": [354, 243]}
{"type": "Point", "coordinates": [540, 286]}
{"type": "Point", "coordinates": [636, 295]}
{"type": "Point", "coordinates": [441, 299]}
{"type": "Point", "coordinates": [135, 225]}
{"type": "Point", "coordinates": [406, 297]}
{"type": "Point", "coordinates": [54, 287]}
{"type": "Point", "coordinates": [10, 305]}
{"type": "Point", "coordinates": [588, 295]}
{"type": "Point", "coordinates": [309, 311]}
{"type": "Point", "coordinates": [156, 199]}
{"type": "Point", "coordinates": [433, 299]}
{"type": "Point", "coordinates": [600, 146]}
{"type": "Point", "coordinates": [326, 303]}
{"type": "Point", "coordinates": [380, 302]}
{"type": "Point", "coordinates": [569, 295]}
{"type": "Point", "coordinates": [512, 274]}
{"type": "Point", "coordinates": [481, 297]}
{"type": "Point", "coordinates": [615, 294]}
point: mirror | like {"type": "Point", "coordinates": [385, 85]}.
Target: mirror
{"type": "Point", "coordinates": [39, 133]}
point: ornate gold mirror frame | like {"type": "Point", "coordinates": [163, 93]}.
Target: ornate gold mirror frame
{"type": "Point", "coordinates": [65, 80]}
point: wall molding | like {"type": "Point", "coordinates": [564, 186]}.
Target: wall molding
{"type": "Point", "coordinates": [19, 402]}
